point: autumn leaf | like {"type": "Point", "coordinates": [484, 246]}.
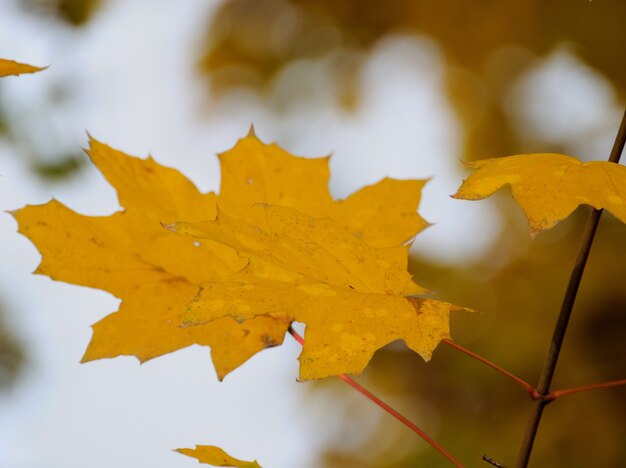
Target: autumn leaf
{"type": "Point", "coordinates": [157, 273]}
{"type": "Point", "coordinates": [549, 187]}
{"type": "Point", "coordinates": [10, 67]}
{"type": "Point", "coordinates": [215, 456]}
{"type": "Point", "coordinates": [351, 296]}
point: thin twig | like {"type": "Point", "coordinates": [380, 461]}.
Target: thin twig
{"type": "Point", "coordinates": [566, 311]}
{"type": "Point", "coordinates": [522, 383]}
{"type": "Point", "coordinates": [570, 391]}
{"type": "Point", "coordinates": [387, 408]}
{"type": "Point", "coordinates": [491, 461]}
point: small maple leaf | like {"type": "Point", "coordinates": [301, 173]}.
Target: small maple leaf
{"type": "Point", "coordinates": [215, 456]}
{"type": "Point", "coordinates": [157, 273]}
{"type": "Point", "coordinates": [351, 296]}
{"type": "Point", "coordinates": [549, 187]}
{"type": "Point", "coordinates": [10, 67]}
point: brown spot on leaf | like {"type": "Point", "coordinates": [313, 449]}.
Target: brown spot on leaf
{"type": "Point", "coordinates": [268, 341]}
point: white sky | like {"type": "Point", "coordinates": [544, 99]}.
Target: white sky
{"type": "Point", "coordinates": [134, 87]}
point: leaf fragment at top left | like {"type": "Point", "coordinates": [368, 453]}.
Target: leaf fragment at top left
{"type": "Point", "coordinates": [211, 455]}
{"type": "Point", "coordinates": [13, 68]}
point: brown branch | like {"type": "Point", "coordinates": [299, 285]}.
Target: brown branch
{"type": "Point", "coordinates": [549, 367]}
{"type": "Point", "coordinates": [491, 461]}
{"type": "Point", "coordinates": [387, 408]}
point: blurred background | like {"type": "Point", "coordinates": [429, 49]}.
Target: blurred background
{"type": "Point", "coordinates": [399, 88]}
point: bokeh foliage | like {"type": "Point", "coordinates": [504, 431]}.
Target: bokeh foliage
{"type": "Point", "coordinates": [72, 12]}
{"type": "Point", "coordinates": [12, 356]}
{"type": "Point", "coordinates": [486, 46]}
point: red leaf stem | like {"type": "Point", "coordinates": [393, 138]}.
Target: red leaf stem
{"type": "Point", "coordinates": [522, 383]}
{"type": "Point", "coordinates": [388, 409]}
{"type": "Point", "coordinates": [569, 391]}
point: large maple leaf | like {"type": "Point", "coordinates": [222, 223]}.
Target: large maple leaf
{"type": "Point", "coordinates": [157, 273]}
{"type": "Point", "coordinates": [548, 186]}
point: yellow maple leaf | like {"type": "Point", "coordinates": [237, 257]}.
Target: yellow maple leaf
{"type": "Point", "coordinates": [351, 296]}
{"type": "Point", "coordinates": [10, 67]}
{"type": "Point", "coordinates": [549, 187]}
{"type": "Point", "coordinates": [156, 273]}
{"type": "Point", "coordinates": [215, 456]}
